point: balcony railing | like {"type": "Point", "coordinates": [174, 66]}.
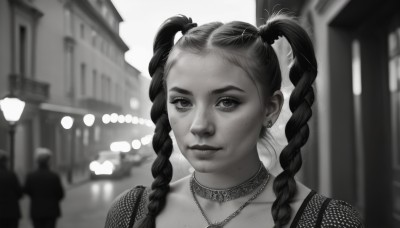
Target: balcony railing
{"type": "Point", "coordinates": [29, 89]}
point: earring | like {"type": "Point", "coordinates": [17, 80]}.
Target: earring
{"type": "Point", "coordinates": [268, 124]}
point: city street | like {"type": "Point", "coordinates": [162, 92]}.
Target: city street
{"type": "Point", "coordinates": [86, 205]}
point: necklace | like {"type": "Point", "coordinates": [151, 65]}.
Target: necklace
{"type": "Point", "coordinates": [223, 195]}
{"type": "Point", "coordinates": [234, 214]}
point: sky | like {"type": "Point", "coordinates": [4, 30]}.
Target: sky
{"type": "Point", "coordinates": [142, 19]}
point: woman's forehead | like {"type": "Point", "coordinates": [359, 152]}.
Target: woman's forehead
{"type": "Point", "coordinates": [206, 70]}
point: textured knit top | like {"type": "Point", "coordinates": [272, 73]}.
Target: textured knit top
{"type": "Point", "coordinates": [315, 211]}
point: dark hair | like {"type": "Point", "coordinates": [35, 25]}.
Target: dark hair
{"type": "Point", "coordinates": [249, 48]}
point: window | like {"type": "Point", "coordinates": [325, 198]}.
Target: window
{"type": "Point", "coordinates": [394, 88]}
{"type": "Point", "coordinates": [111, 21]}
{"type": "Point", "coordinates": [94, 83]}
{"type": "Point", "coordinates": [68, 83]}
{"type": "Point", "coordinates": [82, 31]}
{"type": "Point", "coordinates": [22, 50]}
{"type": "Point", "coordinates": [83, 79]}
{"type": "Point", "coordinates": [104, 87]}
{"type": "Point", "coordinates": [94, 37]}
{"type": "Point", "coordinates": [104, 10]}
{"type": "Point", "coordinates": [67, 21]}
{"type": "Point", "coordinates": [109, 90]}
{"type": "Point", "coordinates": [101, 44]}
{"type": "Point", "coordinates": [111, 52]}
{"type": "Point", "coordinates": [356, 68]}
{"type": "Point", "coordinates": [117, 93]}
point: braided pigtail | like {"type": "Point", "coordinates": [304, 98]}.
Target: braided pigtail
{"type": "Point", "coordinates": [162, 143]}
{"type": "Point", "coordinates": [303, 71]}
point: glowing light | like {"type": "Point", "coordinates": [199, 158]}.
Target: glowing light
{"type": "Point", "coordinates": [141, 121]}
{"type": "Point", "coordinates": [121, 119]}
{"type": "Point", "coordinates": [134, 103]}
{"type": "Point", "coordinates": [94, 165]}
{"type": "Point", "coordinates": [146, 139]}
{"type": "Point", "coordinates": [149, 123]}
{"type": "Point", "coordinates": [67, 122]}
{"type": "Point", "coordinates": [12, 108]}
{"type": "Point", "coordinates": [88, 119]}
{"type": "Point", "coordinates": [114, 117]}
{"type": "Point", "coordinates": [136, 144]}
{"type": "Point", "coordinates": [106, 168]}
{"type": "Point", "coordinates": [106, 118]}
{"type": "Point", "coordinates": [128, 118]}
{"type": "Point", "coordinates": [356, 68]}
{"type": "Point", "coordinates": [135, 120]}
{"type": "Point", "coordinates": [120, 146]}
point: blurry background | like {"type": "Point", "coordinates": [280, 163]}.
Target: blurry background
{"type": "Point", "coordinates": [80, 66]}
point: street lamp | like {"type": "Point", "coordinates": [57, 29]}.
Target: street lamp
{"type": "Point", "coordinates": [12, 108]}
{"type": "Point", "coordinates": [89, 119]}
{"type": "Point", "coordinates": [67, 122]}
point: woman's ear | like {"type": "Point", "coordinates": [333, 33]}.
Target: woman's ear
{"type": "Point", "coordinates": [273, 108]}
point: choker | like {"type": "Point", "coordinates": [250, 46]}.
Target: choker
{"type": "Point", "coordinates": [224, 195]}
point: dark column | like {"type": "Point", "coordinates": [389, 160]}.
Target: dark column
{"type": "Point", "coordinates": [376, 127]}
{"type": "Point", "coordinates": [341, 115]}
{"type": "Point", "coordinates": [11, 132]}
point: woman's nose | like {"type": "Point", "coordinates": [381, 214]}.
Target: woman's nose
{"type": "Point", "coordinates": [203, 124]}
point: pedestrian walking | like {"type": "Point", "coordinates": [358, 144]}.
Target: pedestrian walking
{"type": "Point", "coordinates": [45, 190]}
{"type": "Point", "coordinates": [218, 88]}
{"type": "Point", "coordinates": [10, 194]}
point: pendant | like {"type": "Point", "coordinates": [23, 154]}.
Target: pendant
{"type": "Point", "coordinates": [213, 226]}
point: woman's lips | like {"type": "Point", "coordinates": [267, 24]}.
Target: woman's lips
{"type": "Point", "coordinates": [203, 151]}
{"type": "Point", "coordinates": [203, 147]}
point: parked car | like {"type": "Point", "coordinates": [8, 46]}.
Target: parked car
{"type": "Point", "coordinates": [110, 164]}
{"type": "Point", "coordinates": [137, 157]}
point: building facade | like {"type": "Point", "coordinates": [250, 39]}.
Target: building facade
{"type": "Point", "coordinates": [66, 58]}
{"type": "Point", "coordinates": [357, 45]}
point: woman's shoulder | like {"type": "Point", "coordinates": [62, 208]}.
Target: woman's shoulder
{"type": "Point", "coordinates": [320, 211]}
{"type": "Point", "coordinates": [120, 212]}
{"type": "Point", "coordinates": [339, 213]}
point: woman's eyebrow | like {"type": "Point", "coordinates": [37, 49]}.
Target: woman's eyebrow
{"type": "Point", "coordinates": [227, 88]}
{"type": "Point", "coordinates": [180, 90]}
{"type": "Point", "coordinates": [214, 92]}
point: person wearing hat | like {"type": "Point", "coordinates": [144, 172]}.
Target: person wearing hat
{"type": "Point", "coordinates": [10, 194]}
{"type": "Point", "coordinates": [45, 190]}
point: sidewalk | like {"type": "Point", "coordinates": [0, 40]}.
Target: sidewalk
{"type": "Point", "coordinates": [78, 177]}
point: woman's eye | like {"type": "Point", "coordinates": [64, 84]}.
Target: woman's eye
{"type": "Point", "coordinates": [181, 104]}
{"type": "Point", "coordinates": [227, 103]}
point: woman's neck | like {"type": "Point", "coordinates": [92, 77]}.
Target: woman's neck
{"type": "Point", "coordinates": [231, 176]}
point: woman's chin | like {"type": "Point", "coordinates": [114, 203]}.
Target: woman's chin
{"type": "Point", "coordinates": [204, 167]}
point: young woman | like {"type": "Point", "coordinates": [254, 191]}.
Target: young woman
{"type": "Point", "coordinates": [218, 89]}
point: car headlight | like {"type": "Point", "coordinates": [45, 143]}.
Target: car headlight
{"type": "Point", "coordinates": [105, 168]}
{"type": "Point", "coordinates": [107, 165]}
{"type": "Point", "coordinates": [94, 165]}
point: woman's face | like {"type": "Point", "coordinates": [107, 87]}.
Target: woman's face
{"type": "Point", "coordinates": [215, 112]}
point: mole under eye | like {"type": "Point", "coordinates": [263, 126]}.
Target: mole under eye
{"type": "Point", "coordinates": [181, 103]}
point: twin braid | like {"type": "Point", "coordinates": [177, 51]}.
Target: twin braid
{"type": "Point", "coordinates": [162, 142]}
{"type": "Point", "coordinates": [302, 74]}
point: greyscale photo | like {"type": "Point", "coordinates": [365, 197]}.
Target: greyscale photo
{"type": "Point", "coordinates": [188, 113]}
